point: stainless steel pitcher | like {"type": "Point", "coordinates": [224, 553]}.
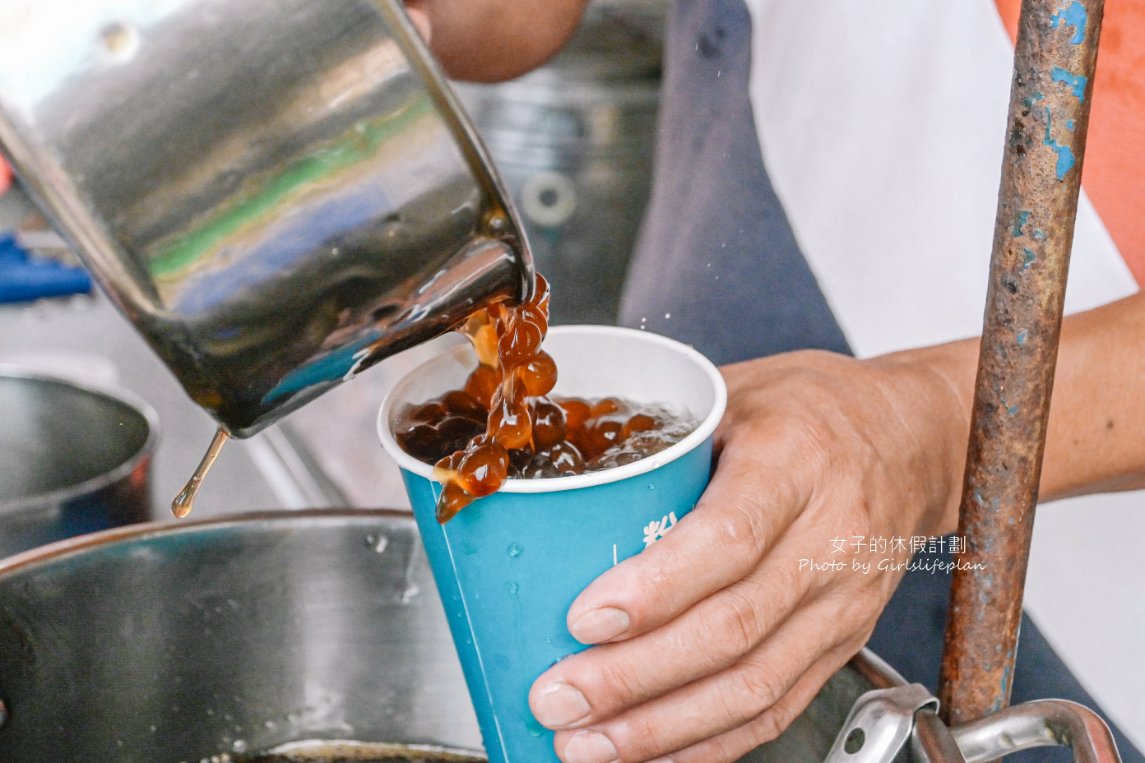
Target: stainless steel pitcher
{"type": "Point", "coordinates": [277, 193]}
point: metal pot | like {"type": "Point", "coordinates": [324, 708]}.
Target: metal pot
{"type": "Point", "coordinates": [168, 643]}
{"type": "Point", "coordinates": [277, 193]}
{"type": "Point", "coordinates": [208, 641]}
{"type": "Point", "coordinates": [73, 459]}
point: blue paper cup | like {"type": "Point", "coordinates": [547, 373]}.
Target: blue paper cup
{"type": "Point", "coordinates": [509, 565]}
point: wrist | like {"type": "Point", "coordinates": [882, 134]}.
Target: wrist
{"type": "Point", "coordinates": [936, 385]}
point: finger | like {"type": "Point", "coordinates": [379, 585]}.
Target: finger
{"type": "Point", "coordinates": [770, 724]}
{"type": "Point", "coordinates": [729, 699]}
{"type": "Point", "coordinates": [744, 510]}
{"type": "Point", "coordinates": [711, 636]}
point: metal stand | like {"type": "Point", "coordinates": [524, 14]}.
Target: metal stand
{"type": "Point", "coordinates": [1041, 178]}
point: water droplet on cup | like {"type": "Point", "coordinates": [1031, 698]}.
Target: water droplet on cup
{"type": "Point", "coordinates": [512, 588]}
{"type": "Point", "coordinates": [515, 550]}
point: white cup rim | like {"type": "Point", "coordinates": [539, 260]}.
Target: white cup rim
{"type": "Point", "coordinates": [553, 484]}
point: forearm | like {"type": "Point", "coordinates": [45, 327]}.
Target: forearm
{"type": "Point", "coordinates": [1097, 413]}
{"type": "Point", "coordinates": [492, 40]}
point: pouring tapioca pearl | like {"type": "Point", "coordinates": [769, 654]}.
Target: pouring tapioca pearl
{"type": "Point", "coordinates": [511, 369]}
{"type": "Point", "coordinates": [478, 471]}
{"type": "Point", "coordinates": [549, 424]}
{"type": "Point", "coordinates": [501, 423]}
{"type": "Point", "coordinates": [538, 374]}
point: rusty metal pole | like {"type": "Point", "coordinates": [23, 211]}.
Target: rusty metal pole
{"type": "Point", "coordinates": [1054, 62]}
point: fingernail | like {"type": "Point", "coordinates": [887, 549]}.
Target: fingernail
{"type": "Point", "coordinates": [599, 625]}
{"type": "Point", "coordinates": [590, 747]}
{"type": "Point", "coordinates": [560, 705]}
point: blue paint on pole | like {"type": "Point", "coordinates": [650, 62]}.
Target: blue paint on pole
{"type": "Point", "coordinates": [1066, 158]}
{"type": "Point", "coordinates": [1075, 82]}
{"type": "Point", "coordinates": [1028, 255]}
{"type": "Point", "coordinates": [1073, 15]}
{"type": "Point", "coordinates": [1022, 336]}
{"type": "Point", "coordinates": [1030, 100]}
{"type": "Point", "coordinates": [1039, 234]}
{"type": "Point", "coordinates": [1020, 222]}
{"type": "Point", "coordinates": [1069, 125]}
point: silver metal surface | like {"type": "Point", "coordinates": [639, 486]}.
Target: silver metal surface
{"type": "Point", "coordinates": [1042, 723]}
{"type": "Point", "coordinates": [170, 643]}
{"type": "Point", "coordinates": [932, 741]}
{"type": "Point", "coordinates": [880, 724]}
{"type": "Point", "coordinates": [74, 458]}
{"type": "Point", "coordinates": [901, 724]}
{"type": "Point", "coordinates": [293, 470]}
{"type": "Point", "coordinates": [341, 751]}
{"type": "Point", "coordinates": [167, 643]}
{"type": "Point", "coordinates": [87, 337]}
{"type": "Point", "coordinates": [277, 193]}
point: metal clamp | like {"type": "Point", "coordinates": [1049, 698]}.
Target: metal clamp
{"type": "Point", "coordinates": [1041, 723]}
{"type": "Point", "coordinates": [879, 724]}
{"type": "Point", "coordinates": [882, 722]}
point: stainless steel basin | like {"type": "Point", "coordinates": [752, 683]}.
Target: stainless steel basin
{"type": "Point", "coordinates": [207, 641]}
{"type": "Point", "coordinates": [176, 643]}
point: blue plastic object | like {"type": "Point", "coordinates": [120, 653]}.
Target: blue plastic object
{"type": "Point", "coordinates": [23, 279]}
{"type": "Point", "coordinates": [509, 566]}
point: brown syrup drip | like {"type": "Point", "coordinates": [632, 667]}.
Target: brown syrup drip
{"type": "Point", "coordinates": [185, 501]}
{"type": "Point", "coordinates": [502, 423]}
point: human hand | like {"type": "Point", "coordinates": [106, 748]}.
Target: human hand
{"type": "Point", "coordinates": [5, 176]}
{"type": "Point", "coordinates": [714, 639]}
{"type": "Point", "coordinates": [494, 40]}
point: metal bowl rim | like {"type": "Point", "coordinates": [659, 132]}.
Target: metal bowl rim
{"type": "Point", "coordinates": [351, 744]}
{"type": "Point", "coordinates": [106, 478]}
{"type": "Point", "coordinates": [52, 552]}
